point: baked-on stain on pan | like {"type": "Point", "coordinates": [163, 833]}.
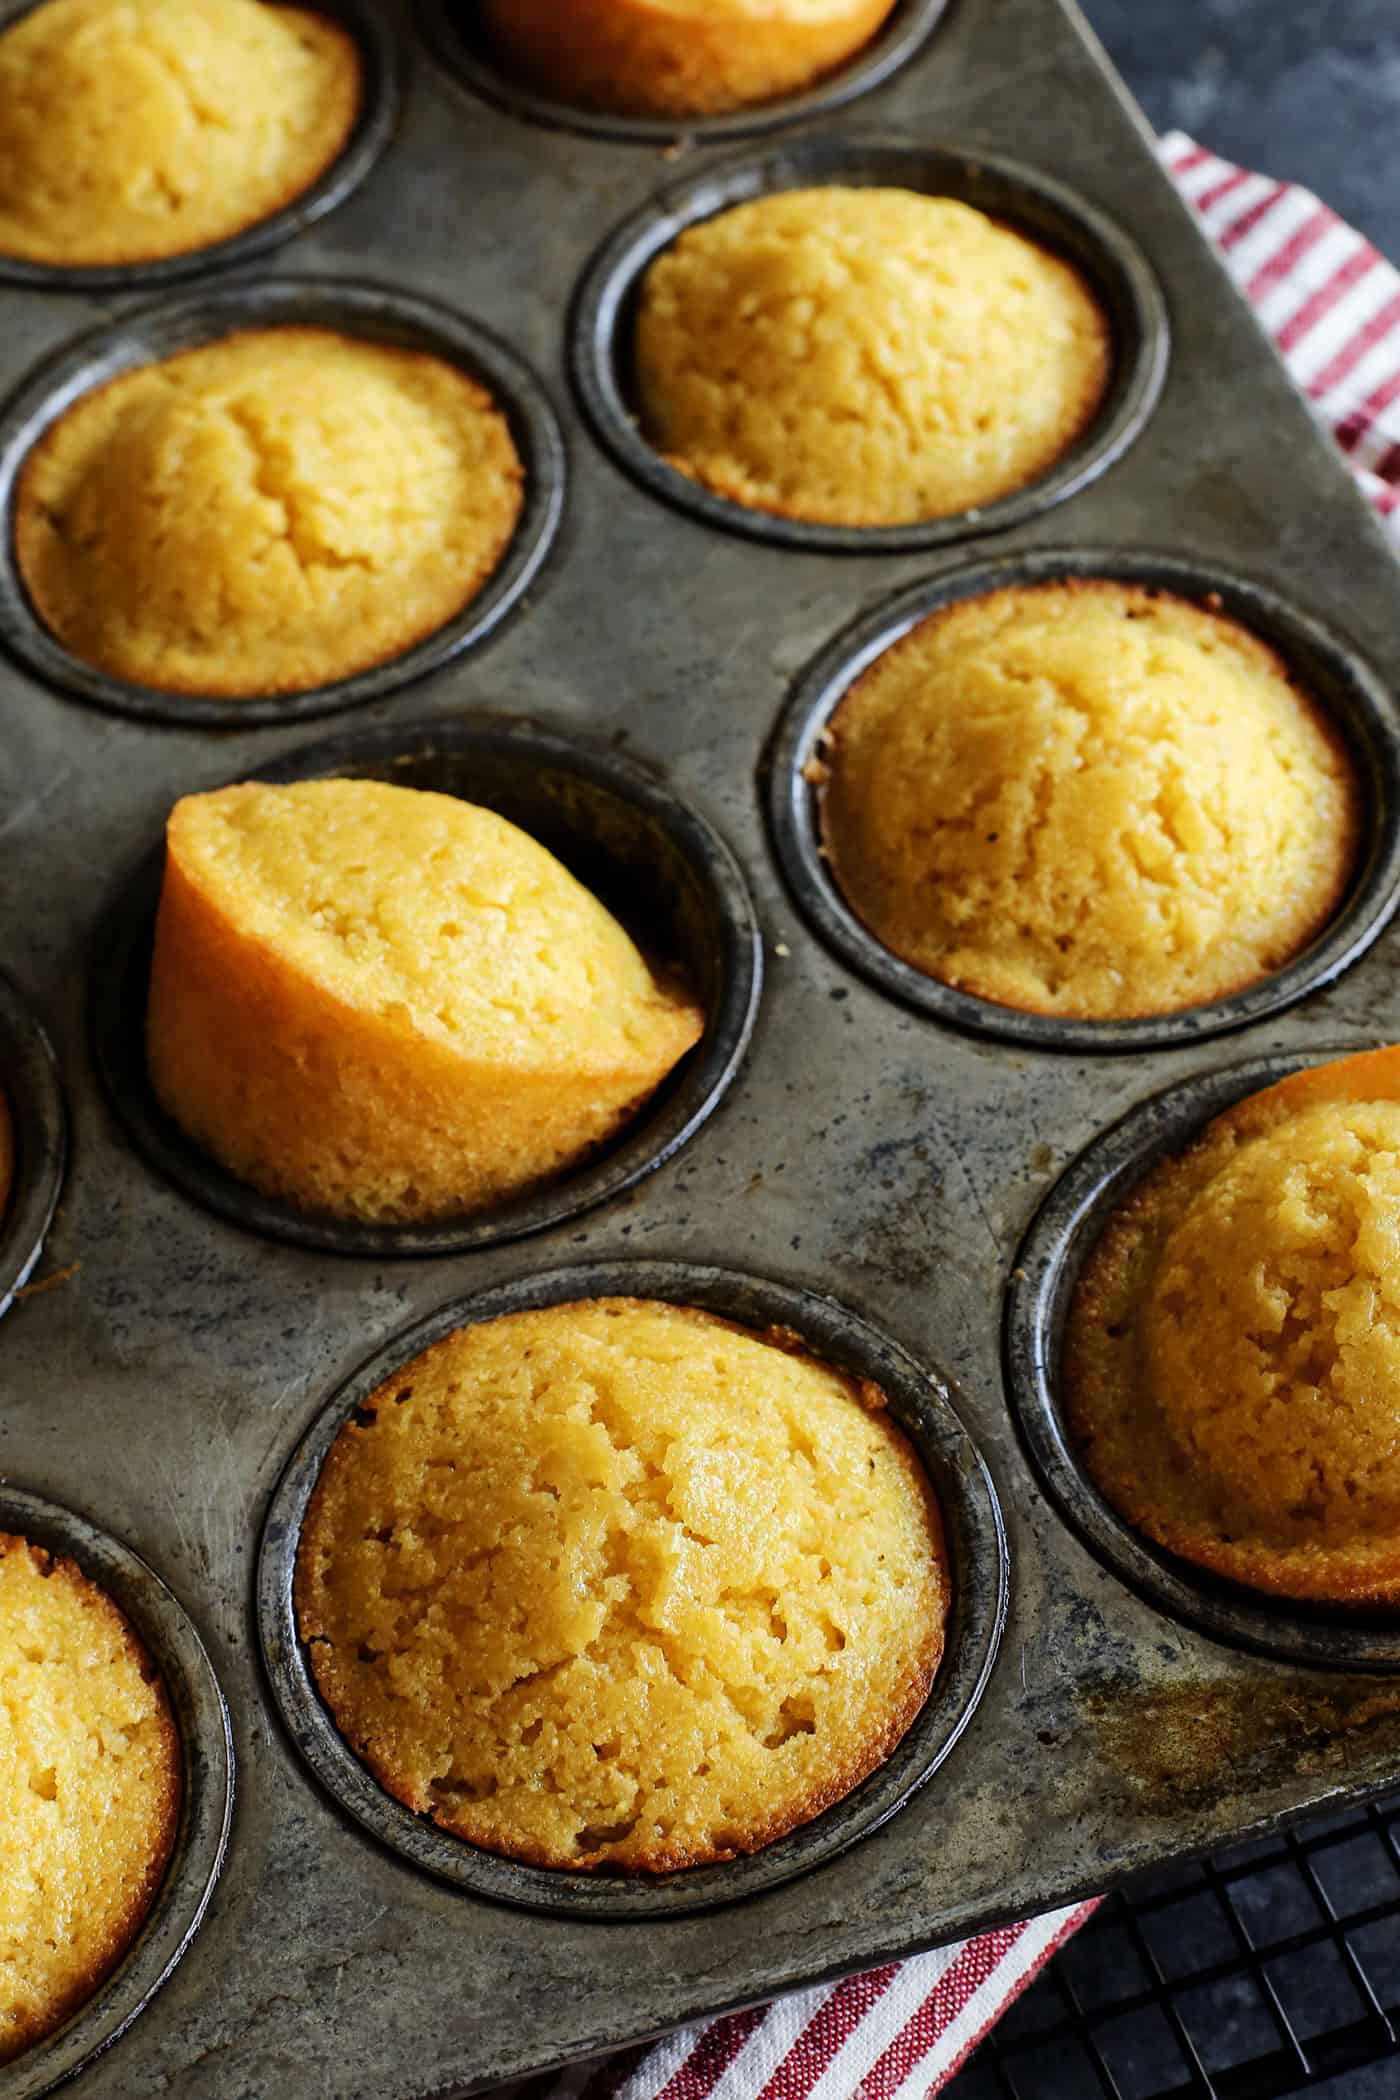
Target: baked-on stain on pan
{"type": "Point", "coordinates": [919, 1401]}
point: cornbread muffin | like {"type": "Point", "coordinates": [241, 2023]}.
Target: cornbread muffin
{"type": "Point", "coordinates": [136, 129]}
{"type": "Point", "coordinates": [619, 1584]}
{"type": "Point", "coordinates": [389, 1005]}
{"type": "Point", "coordinates": [865, 356]}
{"type": "Point", "coordinates": [90, 1788]}
{"type": "Point", "coordinates": [677, 58]}
{"type": "Point", "coordinates": [1087, 799]}
{"type": "Point", "coordinates": [1233, 1349]}
{"type": "Point", "coordinates": [267, 513]}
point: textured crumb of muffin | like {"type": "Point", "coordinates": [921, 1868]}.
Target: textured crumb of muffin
{"type": "Point", "coordinates": [1088, 799]}
{"type": "Point", "coordinates": [390, 1005]}
{"type": "Point", "coordinates": [677, 58]}
{"type": "Point", "coordinates": [90, 1788]}
{"type": "Point", "coordinates": [131, 130]}
{"type": "Point", "coordinates": [1233, 1351]}
{"type": "Point", "coordinates": [618, 1584]}
{"type": "Point", "coordinates": [865, 356]}
{"type": "Point", "coordinates": [270, 512]}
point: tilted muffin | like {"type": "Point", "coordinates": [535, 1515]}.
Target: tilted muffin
{"type": "Point", "coordinates": [131, 130]}
{"type": "Point", "coordinates": [390, 1005]}
{"type": "Point", "coordinates": [1233, 1349]}
{"type": "Point", "coordinates": [90, 1788]}
{"type": "Point", "coordinates": [268, 513]}
{"type": "Point", "coordinates": [1087, 799]}
{"type": "Point", "coordinates": [865, 356]}
{"type": "Point", "coordinates": [618, 1584]}
{"type": "Point", "coordinates": [677, 58]}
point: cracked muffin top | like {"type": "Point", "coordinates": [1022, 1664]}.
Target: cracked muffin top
{"type": "Point", "coordinates": [131, 130]}
{"type": "Point", "coordinates": [1087, 799]}
{"type": "Point", "coordinates": [617, 1583]}
{"type": "Point", "coordinates": [268, 513]}
{"type": "Point", "coordinates": [865, 356]}
{"type": "Point", "coordinates": [1233, 1350]}
{"type": "Point", "coordinates": [90, 1786]}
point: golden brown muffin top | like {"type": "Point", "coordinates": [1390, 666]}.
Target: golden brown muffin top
{"type": "Point", "coordinates": [865, 356]}
{"type": "Point", "coordinates": [90, 1787]}
{"type": "Point", "coordinates": [1233, 1352]}
{"type": "Point", "coordinates": [131, 130]}
{"type": "Point", "coordinates": [618, 1583]}
{"type": "Point", "coordinates": [270, 512]}
{"type": "Point", "coordinates": [1087, 799]}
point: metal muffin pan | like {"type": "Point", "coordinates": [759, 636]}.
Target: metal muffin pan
{"type": "Point", "coordinates": [371, 132]}
{"type": "Point", "coordinates": [206, 1810]}
{"type": "Point", "coordinates": [373, 311]}
{"type": "Point", "coordinates": [662, 869]}
{"type": "Point", "coordinates": [1355, 696]}
{"type": "Point", "coordinates": [606, 304]}
{"type": "Point", "coordinates": [464, 51]}
{"type": "Point", "coordinates": [1038, 1298]}
{"type": "Point", "coordinates": [867, 1150]}
{"type": "Point", "coordinates": [976, 1544]}
{"type": "Point", "coordinates": [31, 1089]}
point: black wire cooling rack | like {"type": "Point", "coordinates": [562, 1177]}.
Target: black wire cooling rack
{"type": "Point", "coordinates": [1250, 1976]}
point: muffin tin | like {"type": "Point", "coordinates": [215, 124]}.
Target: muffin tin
{"type": "Point", "coordinates": [872, 1159]}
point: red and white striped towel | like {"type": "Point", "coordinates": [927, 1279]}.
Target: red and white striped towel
{"type": "Point", "coordinates": [1332, 305]}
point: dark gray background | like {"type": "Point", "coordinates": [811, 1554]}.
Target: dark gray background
{"type": "Point", "coordinates": [1306, 89]}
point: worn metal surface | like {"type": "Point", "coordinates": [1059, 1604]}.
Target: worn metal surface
{"type": "Point", "coordinates": [865, 1150]}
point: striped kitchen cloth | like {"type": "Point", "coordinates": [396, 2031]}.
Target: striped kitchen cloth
{"type": "Point", "coordinates": [1332, 305]}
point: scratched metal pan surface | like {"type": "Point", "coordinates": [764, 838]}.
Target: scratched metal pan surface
{"type": "Point", "coordinates": [888, 1154]}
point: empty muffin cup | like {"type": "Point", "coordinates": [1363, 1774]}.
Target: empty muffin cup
{"type": "Point", "coordinates": [1351, 696]}
{"type": "Point", "coordinates": [462, 46]}
{"type": "Point", "coordinates": [516, 419]}
{"type": "Point", "coordinates": [1039, 1293]}
{"type": "Point", "coordinates": [673, 885]}
{"type": "Point", "coordinates": [1060, 224]}
{"type": "Point", "coordinates": [975, 1553]}
{"type": "Point", "coordinates": [378, 48]}
{"type": "Point", "coordinates": [33, 1140]}
{"type": "Point", "coordinates": [201, 1835]}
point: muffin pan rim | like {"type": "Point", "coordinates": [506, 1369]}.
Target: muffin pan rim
{"type": "Point", "coordinates": [208, 1782]}
{"type": "Point", "coordinates": [146, 334]}
{"type": "Point", "coordinates": [33, 1091]}
{"type": "Point", "coordinates": [685, 1104]}
{"type": "Point", "coordinates": [382, 63]}
{"type": "Point", "coordinates": [921, 1400]}
{"type": "Point", "coordinates": [469, 66]}
{"type": "Point", "coordinates": [1119, 273]}
{"type": "Point", "coordinates": [1368, 718]}
{"type": "Point", "coordinates": [1045, 1270]}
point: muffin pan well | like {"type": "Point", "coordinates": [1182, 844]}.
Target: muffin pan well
{"type": "Point", "coordinates": [1351, 690]}
{"type": "Point", "coordinates": [356, 309]}
{"type": "Point", "coordinates": [460, 46]}
{"type": "Point", "coordinates": [976, 1543]}
{"type": "Point", "coordinates": [381, 58]}
{"type": "Point", "coordinates": [654, 863]}
{"type": "Point", "coordinates": [1025, 198]}
{"type": "Point", "coordinates": [1038, 1297]}
{"type": "Point", "coordinates": [32, 1092]}
{"type": "Point", "coordinates": [864, 1148]}
{"type": "Point", "coordinates": [206, 1743]}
